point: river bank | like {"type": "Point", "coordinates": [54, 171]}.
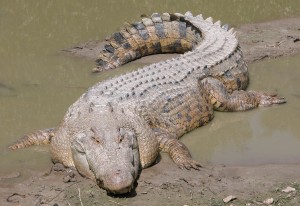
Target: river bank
{"type": "Point", "coordinates": [164, 183]}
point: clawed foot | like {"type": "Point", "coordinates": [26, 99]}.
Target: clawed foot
{"type": "Point", "coordinates": [188, 163]}
{"type": "Point", "coordinates": [179, 153]}
{"type": "Point", "coordinates": [267, 99]}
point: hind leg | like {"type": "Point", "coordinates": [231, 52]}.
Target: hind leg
{"type": "Point", "coordinates": [238, 100]}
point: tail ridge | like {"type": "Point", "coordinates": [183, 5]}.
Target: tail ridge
{"type": "Point", "coordinates": [159, 33]}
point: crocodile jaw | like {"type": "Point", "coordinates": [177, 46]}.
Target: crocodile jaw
{"type": "Point", "coordinates": [111, 158]}
{"type": "Point", "coordinates": [119, 178]}
{"type": "Point", "coordinates": [117, 182]}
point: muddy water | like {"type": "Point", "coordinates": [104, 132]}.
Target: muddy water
{"type": "Point", "coordinates": [37, 83]}
{"type": "Point", "coordinates": [260, 136]}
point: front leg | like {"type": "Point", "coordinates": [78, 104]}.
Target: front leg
{"type": "Point", "coordinates": [238, 100]}
{"type": "Point", "coordinates": [178, 152]}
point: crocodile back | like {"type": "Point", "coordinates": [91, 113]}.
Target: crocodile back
{"type": "Point", "coordinates": [214, 52]}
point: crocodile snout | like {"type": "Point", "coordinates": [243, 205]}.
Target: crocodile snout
{"type": "Point", "coordinates": [117, 182]}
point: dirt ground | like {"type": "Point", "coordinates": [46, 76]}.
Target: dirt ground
{"type": "Point", "coordinates": [258, 41]}
{"type": "Point", "coordinates": [164, 183]}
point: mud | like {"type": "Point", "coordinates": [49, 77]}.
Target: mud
{"type": "Point", "coordinates": [164, 183]}
{"type": "Point", "coordinates": [258, 41]}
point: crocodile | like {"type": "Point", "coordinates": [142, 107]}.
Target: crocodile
{"type": "Point", "coordinates": [119, 126]}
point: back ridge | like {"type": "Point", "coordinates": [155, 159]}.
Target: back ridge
{"type": "Point", "coordinates": [165, 33]}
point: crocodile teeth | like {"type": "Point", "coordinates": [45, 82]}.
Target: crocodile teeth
{"type": "Point", "coordinates": [209, 19]}
{"type": "Point", "coordinates": [218, 23]}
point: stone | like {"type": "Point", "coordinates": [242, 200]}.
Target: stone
{"type": "Point", "coordinates": [269, 201]}
{"type": "Point", "coordinates": [229, 198]}
{"type": "Point", "coordinates": [288, 190]}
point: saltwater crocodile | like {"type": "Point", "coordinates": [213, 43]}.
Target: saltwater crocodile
{"type": "Point", "coordinates": [119, 125]}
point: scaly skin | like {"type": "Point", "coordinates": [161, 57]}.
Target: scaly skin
{"type": "Point", "coordinates": [119, 126]}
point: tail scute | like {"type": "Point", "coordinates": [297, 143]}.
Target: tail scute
{"type": "Point", "coordinates": [159, 33]}
{"type": "Point", "coordinates": [36, 138]}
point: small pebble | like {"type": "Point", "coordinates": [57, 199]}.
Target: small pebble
{"type": "Point", "coordinates": [229, 198]}
{"type": "Point", "coordinates": [58, 167]}
{"type": "Point", "coordinates": [67, 179]}
{"type": "Point", "coordinates": [269, 201]}
{"type": "Point", "coordinates": [288, 190]}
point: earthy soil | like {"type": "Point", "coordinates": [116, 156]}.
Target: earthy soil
{"type": "Point", "coordinates": [164, 183]}
{"type": "Point", "coordinates": [258, 41]}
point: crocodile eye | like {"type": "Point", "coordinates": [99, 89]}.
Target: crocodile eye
{"type": "Point", "coordinates": [96, 139]}
{"type": "Point", "coordinates": [125, 137]}
{"type": "Point", "coordinates": [120, 138]}
{"type": "Point", "coordinates": [95, 136]}
{"type": "Point", "coordinates": [121, 135]}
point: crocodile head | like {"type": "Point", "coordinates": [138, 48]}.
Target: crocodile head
{"type": "Point", "coordinates": [109, 155]}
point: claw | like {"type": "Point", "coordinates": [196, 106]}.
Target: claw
{"type": "Point", "coordinates": [267, 99]}
{"type": "Point", "coordinates": [189, 164]}
{"type": "Point", "coordinates": [196, 165]}
{"type": "Point", "coordinates": [188, 167]}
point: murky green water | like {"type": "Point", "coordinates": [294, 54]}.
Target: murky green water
{"type": "Point", "coordinates": [38, 83]}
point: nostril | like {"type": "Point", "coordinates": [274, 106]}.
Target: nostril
{"type": "Point", "coordinates": [118, 182]}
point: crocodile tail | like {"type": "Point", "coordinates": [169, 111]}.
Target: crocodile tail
{"type": "Point", "coordinates": [35, 138]}
{"type": "Point", "coordinates": [159, 33]}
